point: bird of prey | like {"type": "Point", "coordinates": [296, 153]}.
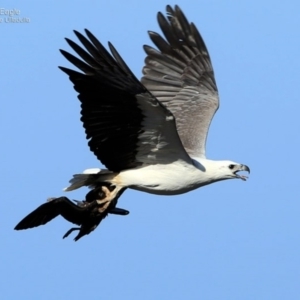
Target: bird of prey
{"type": "Point", "coordinates": [149, 134]}
{"type": "Point", "coordinates": [87, 214]}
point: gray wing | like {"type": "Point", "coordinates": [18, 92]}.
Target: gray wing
{"type": "Point", "coordinates": [180, 75]}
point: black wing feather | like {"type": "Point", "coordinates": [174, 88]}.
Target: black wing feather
{"type": "Point", "coordinates": [107, 90]}
{"type": "Point", "coordinates": [50, 210]}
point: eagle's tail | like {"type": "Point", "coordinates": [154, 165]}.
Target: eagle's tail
{"type": "Point", "coordinates": [90, 178]}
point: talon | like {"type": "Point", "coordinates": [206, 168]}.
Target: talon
{"type": "Point", "coordinates": [102, 201]}
{"type": "Point", "coordinates": [106, 191]}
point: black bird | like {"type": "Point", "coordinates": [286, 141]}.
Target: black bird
{"type": "Point", "coordinates": [87, 214]}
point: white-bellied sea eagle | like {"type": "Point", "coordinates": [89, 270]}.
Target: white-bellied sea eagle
{"type": "Point", "coordinates": [149, 134]}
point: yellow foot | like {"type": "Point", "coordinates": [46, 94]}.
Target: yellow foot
{"type": "Point", "coordinates": [109, 196]}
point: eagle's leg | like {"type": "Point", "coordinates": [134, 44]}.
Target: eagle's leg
{"type": "Point", "coordinates": [109, 196]}
{"type": "Point", "coordinates": [106, 200]}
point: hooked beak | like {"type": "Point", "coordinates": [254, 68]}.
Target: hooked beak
{"type": "Point", "coordinates": [242, 168]}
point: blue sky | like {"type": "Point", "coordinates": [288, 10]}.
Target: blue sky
{"type": "Point", "coordinates": [229, 240]}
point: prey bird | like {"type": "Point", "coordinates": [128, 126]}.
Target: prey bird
{"type": "Point", "coordinates": [87, 214]}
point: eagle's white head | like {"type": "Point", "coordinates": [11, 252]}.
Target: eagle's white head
{"type": "Point", "coordinates": [218, 170]}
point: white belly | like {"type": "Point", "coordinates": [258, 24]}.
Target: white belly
{"type": "Point", "coordinates": [172, 179]}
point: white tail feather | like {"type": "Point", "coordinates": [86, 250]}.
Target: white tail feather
{"type": "Point", "coordinates": [90, 178]}
{"type": "Point", "coordinates": [77, 181]}
{"type": "Point", "coordinates": [92, 171]}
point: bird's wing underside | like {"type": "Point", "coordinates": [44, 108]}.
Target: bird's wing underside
{"type": "Point", "coordinates": [50, 210]}
{"type": "Point", "coordinates": [125, 124]}
{"type": "Point", "coordinates": [180, 75]}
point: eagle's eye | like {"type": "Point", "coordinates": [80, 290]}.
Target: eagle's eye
{"type": "Point", "coordinates": [231, 167]}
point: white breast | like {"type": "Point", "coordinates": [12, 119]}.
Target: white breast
{"type": "Point", "coordinates": [171, 179]}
